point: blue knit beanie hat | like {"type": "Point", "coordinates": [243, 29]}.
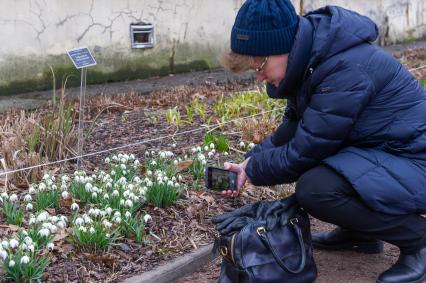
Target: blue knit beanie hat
{"type": "Point", "coordinates": [264, 27]}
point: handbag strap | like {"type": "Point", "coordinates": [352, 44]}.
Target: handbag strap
{"type": "Point", "coordinates": [261, 231]}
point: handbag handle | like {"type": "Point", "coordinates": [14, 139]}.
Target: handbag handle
{"type": "Point", "coordinates": [261, 231]}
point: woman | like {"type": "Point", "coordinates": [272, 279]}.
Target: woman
{"type": "Point", "coordinates": [354, 131]}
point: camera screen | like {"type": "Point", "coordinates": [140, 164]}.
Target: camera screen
{"type": "Point", "coordinates": [221, 179]}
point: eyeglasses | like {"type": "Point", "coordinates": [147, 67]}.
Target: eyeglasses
{"type": "Point", "coordinates": [260, 68]}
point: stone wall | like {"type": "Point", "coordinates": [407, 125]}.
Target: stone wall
{"type": "Point", "coordinates": [189, 35]}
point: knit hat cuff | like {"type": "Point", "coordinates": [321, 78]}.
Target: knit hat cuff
{"type": "Point", "coordinates": [263, 43]}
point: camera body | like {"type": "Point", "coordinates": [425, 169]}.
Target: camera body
{"type": "Point", "coordinates": [219, 179]}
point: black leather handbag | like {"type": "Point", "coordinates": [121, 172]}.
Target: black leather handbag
{"type": "Point", "coordinates": [268, 241]}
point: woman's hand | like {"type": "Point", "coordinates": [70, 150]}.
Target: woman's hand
{"type": "Point", "coordinates": [240, 169]}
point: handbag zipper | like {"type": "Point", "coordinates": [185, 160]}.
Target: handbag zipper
{"type": "Point", "coordinates": [232, 248]}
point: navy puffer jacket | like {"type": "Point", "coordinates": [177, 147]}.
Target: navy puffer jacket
{"type": "Point", "coordinates": [353, 107]}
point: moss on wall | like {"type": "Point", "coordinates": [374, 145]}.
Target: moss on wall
{"type": "Point", "coordinates": [34, 74]}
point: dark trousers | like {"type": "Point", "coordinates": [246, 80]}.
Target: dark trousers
{"type": "Point", "coordinates": [328, 196]}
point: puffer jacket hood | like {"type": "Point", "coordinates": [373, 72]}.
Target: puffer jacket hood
{"type": "Point", "coordinates": [322, 34]}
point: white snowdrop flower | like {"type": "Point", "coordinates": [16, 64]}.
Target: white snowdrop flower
{"type": "Point", "coordinates": [54, 187]}
{"type": "Point", "coordinates": [50, 246]}
{"type": "Point", "coordinates": [92, 230]}
{"type": "Point", "coordinates": [123, 167]}
{"type": "Point", "coordinates": [107, 224]}
{"type": "Point", "coordinates": [204, 162]}
{"type": "Point", "coordinates": [160, 182]}
{"type": "Point", "coordinates": [32, 220]}
{"type": "Point", "coordinates": [11, 263]}
{"type": "Point", "coordinates": [251, 145]}
{"type": "Point", "coordinates": [149, 184]}
{"type": "Point", "coordinates": [75, 207]}
{"type": "Point", "coordinates": [153, 162]}
{"type": "Point", "coordinates": [25, 259]}
{"type": "Point", "coordinates": [136, 162]}
{"type": "Point", "coordinates": [199, 148]}
{"type": "Point", "coordinates": [5, 244]}
{"type": "Point", "coordinates": [121, 201]}
{"type": "Point", "coordinates": [42, 217]}
{"type": "Point", "coordinates": [177, 185]}
{"type": "Point", "coordinates": [44, 232]}
{"type": "Point", "coordinates": [132, 196]}
{"type": "Point", "coordinates": [131, 187]}
{"type": "Point", "coordinates": [65, 178]}
{"type": "Point", "coordinates": [115, 193]}
{"type": "Point", "coordinates": [147, 218]}
{"type": "Point", "coordinates": [126, 193]}
{"type": "Point", "coordinates": [23, 247]}
{"type": "Point", "coordinates": [46, 176]}
{"type": "Point", "coordinates": [152, 152]}
{"type": "Point", "coordinates": [65, 194]}
{"type": "Point", "coordinates": [3, 254]}
{"type": "Point", "coordinates": [146, 153]}
{"type": "Point", "coordinates": [117, 220]}
{"type": "Point", "coordinates": [226, 153]}
{"type": "Point", "coordinates": [49, 183]}
{"type": "Point", "coordinates": [108, 185]}
{"type": "Point", "coordinates": [170, 183]}
{"type": "Point", "coordinates": [210, 154]}
{"type": "Point", "coordinates": [94, 195]}
{"type": "Point", "coordinates": [107, 160]}
{"type": "Point", "coordinates": [127, 214]}
{"type": "Point", "coordinates": [149, 173]}
{"type": "Point", "coordinates": [53, 229]}
{"type": "Point", "coordinates": [53, 178]}
{"type": "Point", "coordinates": [180, 178]}
{"type": "Point", "coordinates": [114, 157]}
{"type": "Point", "coordinates": [25, 233]}
{"type": "Point", "coordinates": [132, 156]}
{"type": "Point", "coordinates": [194, 150]}
{"type": "Point", "coordinates": [97, 212]}
{"type": "Point", "coordinates": [103, 213]}
{"type": "Point", "coordinates": [79, 221]}
{"type": "Point", "coordinates": [108, 235]}
{"type": "Point", "coordinates": [13, 243]}
{"type": "Point", "coordinates": [82, 229]}
{"type": "Point", "coordinates": [128, 203]}
{"type": "Point", "coordinates": [13, 198]}
{"type": "Point", "coordinates": [175, 162]}
{"type": "Point", "coordinates": [206, 148]}
{"type": "Point", "coordinates": [242, 144]}
{"type": "Point", "coordinates": [108, 210]}
{"type": "Point", "coordinates": [169, 153]}
{"type": "Point", "coordinates": [87, 219]}
{"type": "Point", "coordinates": [201, 156]}
{"type": "Point", "coordinates": [95, 189]}
{"type": "Point", "coordinates": [122, 180]}
{"type": "Point", "coordinates": [106, 196]}
{"type": "Point", "coordinates": [159, 178]}
{"type": "Point", "coordinates": [88, 187]}
{"type": "Point", "coordinates": [212, 146]}
{"type": "Point", "coordinates": [30, 248]}
{"type": "Point", "coordinates": [29, 207]}
{"type": "Point", "coordinates": [137, 179]}
{"type": "Point", "coordinates": [123, 161]}
{"type": "Point", "coordinates": [64, 187]}
{"type": "Point", "coordinates": [28, 198]}
{"type": "Point", "coordinates": [162, 154]}
{"type": "Point", "coordinates": [54, 219]}
{"type": "Point", "coordinates": [117, 214]}
{"type": "Point", "coordinates": [91, 211]}
{"type": "Point", "coordinates": [112, 173]}
{"type": "Point", "coordinates": [61, 224]}
{"type": "Point", "coordinates": [173, 145]}
{"type": "Point", "coordinates": [31, 190]}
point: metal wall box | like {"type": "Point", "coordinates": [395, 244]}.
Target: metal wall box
{"type": "Point", "coordinates": [142, 35]}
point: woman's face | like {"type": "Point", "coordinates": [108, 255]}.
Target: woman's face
{"type": "Point", "coordinates": [271, 69]}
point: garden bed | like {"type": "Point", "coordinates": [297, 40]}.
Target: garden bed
{"type": "Point", "coordinates": [149, 230]}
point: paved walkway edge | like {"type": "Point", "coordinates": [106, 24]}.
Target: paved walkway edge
{"type": "Point", "coordinates": [178, 268]}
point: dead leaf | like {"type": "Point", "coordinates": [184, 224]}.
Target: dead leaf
{"type": "Point", "coordinates": [10, 227]}
{"type": "Point", "coordinates": [51, 211]}
{"type": "Point", "coordinates": [61, 235]}
{"type": "Point", "coordinates": [184, 165]}
{"type": "Point", "coordinates": [208, 198]}
{"type": "Point", "coordinates": [108, 260]}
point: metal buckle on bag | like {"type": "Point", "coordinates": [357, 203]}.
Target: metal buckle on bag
{"type": "Point", "coordinates": [260, 230]}
{"type": "Point", "coordinates": [223, 251]}
{"type": "Point", "coordinates": [293, 221]}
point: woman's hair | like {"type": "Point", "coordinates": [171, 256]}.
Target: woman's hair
{"type": "Point", "coordinates": [236, 62]}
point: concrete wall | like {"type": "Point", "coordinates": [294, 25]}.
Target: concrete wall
{"type": "Point", "coordinates": [189, 34]}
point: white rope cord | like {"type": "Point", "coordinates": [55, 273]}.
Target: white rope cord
{"type": "Point", "coordinates": [418, 68]}
{"type": "Point", "coordinates": [130, 145]}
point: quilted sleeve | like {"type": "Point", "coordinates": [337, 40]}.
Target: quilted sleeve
{"type": "Point", "coordinates": [328, 119]}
